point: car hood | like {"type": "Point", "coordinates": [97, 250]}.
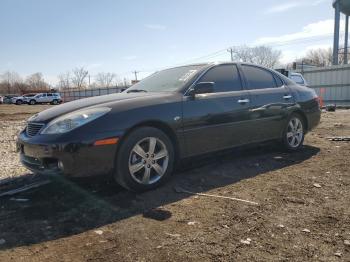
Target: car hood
{"type": "Point", "coordinates": [120, 100]}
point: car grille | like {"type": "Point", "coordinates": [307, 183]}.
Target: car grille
{"type": "Point", "coordinates": [33, 128]}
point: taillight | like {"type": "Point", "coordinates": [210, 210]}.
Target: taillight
{"type": "Point", "coordinates": [319, 101]}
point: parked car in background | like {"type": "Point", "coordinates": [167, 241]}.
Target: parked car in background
{"type": "Point", "coordinates": [7, 99]}
{"type": "Point", "coordinates": [45, 98]}
{"type": "Point", "coordinates": [296, 77]}
{"type": "Point", "coordinates": [140, 134]}
{"type": "Point", "coordinates": [18, 100]}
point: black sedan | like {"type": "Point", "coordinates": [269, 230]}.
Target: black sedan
{"type": "Point", "coordinates": [139, 135]}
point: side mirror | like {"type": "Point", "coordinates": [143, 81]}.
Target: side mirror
{"type": "Point", "coordinates": [202, 88]}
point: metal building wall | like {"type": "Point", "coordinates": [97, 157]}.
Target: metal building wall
{"type": "Point", "coordinates": [331, 83]}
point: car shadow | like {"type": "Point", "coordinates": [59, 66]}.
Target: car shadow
{"type": "Point", "coordinates": [63, 207]}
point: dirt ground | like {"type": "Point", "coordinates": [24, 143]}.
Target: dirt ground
{"type": "Point", "coordinates": [303, 211]}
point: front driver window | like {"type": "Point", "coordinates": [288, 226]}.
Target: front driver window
{"type": "Point", "coordinates": [225, 77]}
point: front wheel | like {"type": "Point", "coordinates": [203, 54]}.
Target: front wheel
{"type": "Point", "coordinates": [145, 159]}
{"type": "Point", "coordinates": [32, 102]}
{"type": "Point", "coordinates": [293, 134]}
{"type": "Point", "coordinates": [19, 102]}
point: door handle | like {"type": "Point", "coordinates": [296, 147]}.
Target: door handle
{"type": "Point", "coordinates": [243, 101]}
{"type": "Point", "coordinates": [287, 96]}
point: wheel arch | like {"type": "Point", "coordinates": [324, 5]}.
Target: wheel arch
{"type": "Point", "coordinates": [303, 115]}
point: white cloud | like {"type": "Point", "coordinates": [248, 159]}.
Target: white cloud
{"type": "Point", "coordinates": [280, 8]}
{"type": "Point", "coordinates": [322, 28]}
{"type": "Point", "coordinates": [155, 27]}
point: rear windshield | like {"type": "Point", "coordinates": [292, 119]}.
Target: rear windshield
{"type": "Point", "coordinates": [167, 80]}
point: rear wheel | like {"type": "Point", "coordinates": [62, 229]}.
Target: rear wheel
{"type": "Point", "coordinates": [293, 135]}
{"type": "Point", "coordinates": [32, 102]}
{"type": "Point", "coordinates": [55, 102]}
{"type": "Point", "coordinates": [145, 159]}
{"type": "Point", "coordinates": [19, 102]}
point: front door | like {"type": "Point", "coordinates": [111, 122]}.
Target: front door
{"type": "Point", "coordinates": [270, 100]}
{"type": "Point", "coordinates": [216, 120]}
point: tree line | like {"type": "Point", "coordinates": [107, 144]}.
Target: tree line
{"type": "Point", "coordinates": [79, 77]}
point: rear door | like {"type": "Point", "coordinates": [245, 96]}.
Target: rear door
{"type": "Point", "coordinates": [270, 100]}
{"type": "Point", "coordinates": [49, 98]}
{"type": "Point", "coordinates": [216, 120]}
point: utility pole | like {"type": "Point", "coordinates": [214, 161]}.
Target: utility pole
{"type": "Point", "coordinates": [230, 50]}
{"type": "Point", "coordinates": [136, 72]}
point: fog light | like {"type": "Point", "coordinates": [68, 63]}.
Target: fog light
{"type": "Point", "coordinates": [60, 165]}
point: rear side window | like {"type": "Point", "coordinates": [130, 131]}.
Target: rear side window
{"type": "Point", "coordinates": [297, 79]}
{"type": "Point", "coordinates": [279, 81]}
{"type": "Point", "coordinates": [225, 77]}
{"type": "Point", "coordinates": [258, 78]}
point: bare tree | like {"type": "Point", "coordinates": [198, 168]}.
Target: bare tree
{"type": "Point", "coordinates": [8, 81]}
{"type": "Point", "coordinates": [36, 82]}
{"type": "Point", "coordinates": [261, 55]}
{"type": "Point", "coordinates": [79, 76]}
{"type": "Point", "coordinates": [319, 57]}
{"type": "Point", "coordinates": [105, 79]}
{"type": "Point", "coordinates": [64, 80]}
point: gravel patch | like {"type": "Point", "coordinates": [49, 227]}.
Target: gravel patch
{"type": "Point", "coordinates": [10, 165]}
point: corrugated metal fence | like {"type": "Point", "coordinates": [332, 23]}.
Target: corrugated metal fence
{"type": "Point", "coordinates": [331, 83]}
{"type": "Point", "coordinates": [74, 94]}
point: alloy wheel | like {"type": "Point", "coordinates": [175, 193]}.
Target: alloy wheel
{"type": "Point", "coordinates": [148, 160]}
{"type": "Point", "coordinates": [295, 132]}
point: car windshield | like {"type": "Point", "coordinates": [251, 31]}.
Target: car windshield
{"type": "Point", "coordinates": [167, 80]}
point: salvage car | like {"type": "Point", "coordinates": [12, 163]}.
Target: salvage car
{"type": "Point", "coordinates": [45, 98]}
{"type": "Point", "coordinates": [19, 100]}
{"type": "Point", "coordinates": [139, 135]}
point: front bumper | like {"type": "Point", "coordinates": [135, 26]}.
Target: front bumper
{"type": "Point", "coordinates": [68, 158]}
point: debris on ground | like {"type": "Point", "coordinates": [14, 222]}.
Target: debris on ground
{"type": "Point", "coordinates": [181, 190]}
{"type": "Point", "coordinates": [173, 235]}
{"type": "Point", "coordinates": [25, 188]}
{"type": "Point", "coordinates": [347, 242]}
{"type": "Point", "coordinates": [192, 223]}
{"type": "Point", "coordinates": [98, 232]}
{"type": "Point", "coordinates": [246, 242]}
{"type": "Point", "coordinates": [338, 125]}
{"type": "Point", "coordinates": [306, 230]}
{"type": "Point", "coordinates": [19, 199]}
{"type": "Point", "coordinates": [317, 185]}
{"type": "Point", "coordinates": [281, 226]}
{"type": "Point", "coordinates": [338, 254]}
{"type": "Point", "coordinates": [339, 138]}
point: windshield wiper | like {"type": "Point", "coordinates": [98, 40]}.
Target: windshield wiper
{"type": "Point", "coordinates": [136, 91]}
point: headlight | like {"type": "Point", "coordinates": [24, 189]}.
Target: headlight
{"type": "Point", "coordinates": [70, 121]}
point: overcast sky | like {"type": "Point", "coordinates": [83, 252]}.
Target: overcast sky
{"type": "Point", "coordinates": [53, 36]}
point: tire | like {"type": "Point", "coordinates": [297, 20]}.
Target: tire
{"type": "Point", "coordinates": [19, 102]}
{"type": "Point", "coordinates": [142, 171]}
{"type": "Point", "coordinates": [294, 133]}
{"type": "Point", "coordinates": [54, 102]}
{"type": "Point", "coordinates": [32, 102]}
